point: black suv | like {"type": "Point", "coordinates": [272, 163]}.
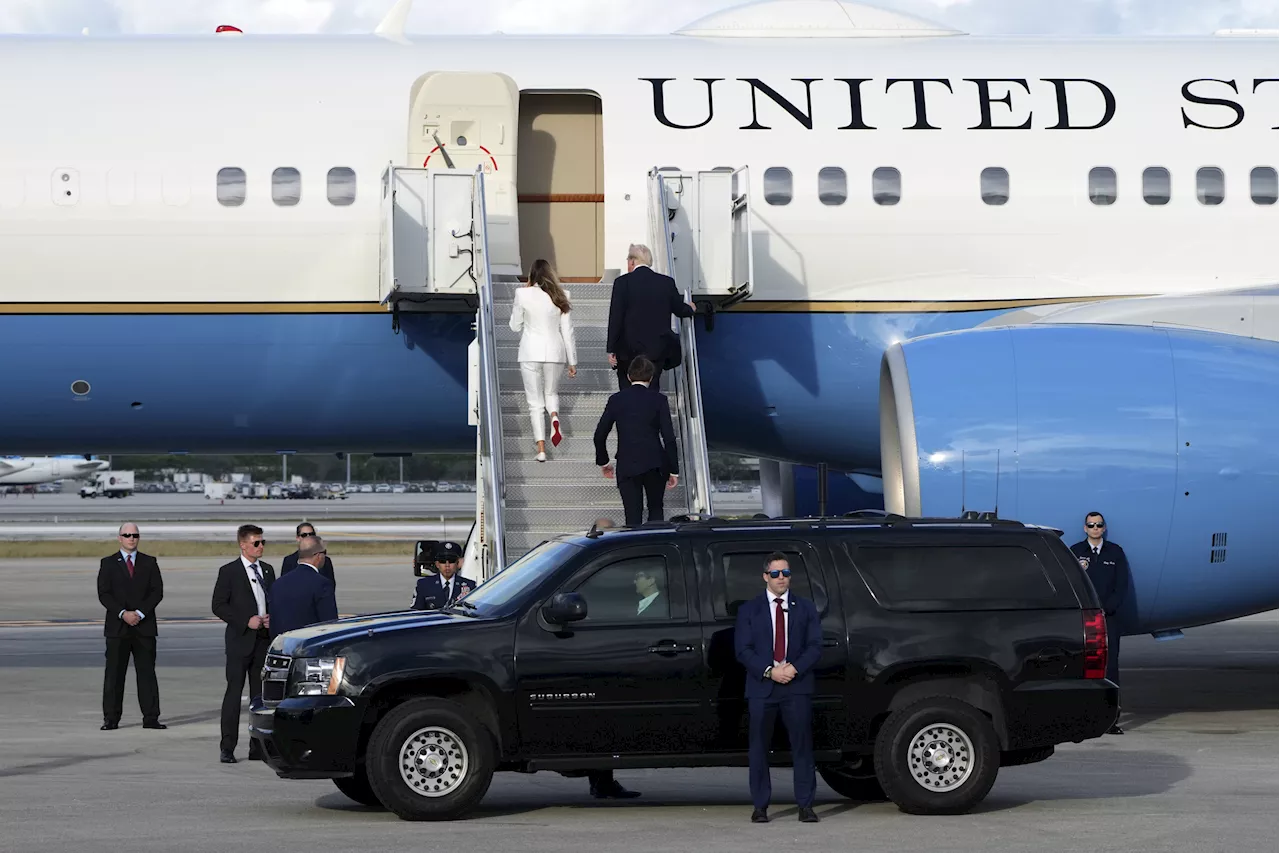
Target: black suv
{"type": "Point", "coordinates": [951, 647]}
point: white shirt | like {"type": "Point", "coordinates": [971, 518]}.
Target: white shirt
{"type": "Point", "coordinates": [546, 331]}
{"type": "Point", "coordinates": [259, 594]}
{"type": "Point", "coordinates": [786, 619]}
{"type": "Point", "coordinates": [125, 555]}
{"type": "Point", "coordinates": [1097, 549]}
{"type": "Point", "coordinates": [645, 602]}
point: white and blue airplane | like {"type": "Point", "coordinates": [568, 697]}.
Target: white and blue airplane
{"type": "Point", "coordinates": [33, 470]}
{"type": "Point", "coordinates": [1032, 275]}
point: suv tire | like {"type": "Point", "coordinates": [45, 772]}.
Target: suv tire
{"type": "Point", "coordinates": [859, 784]}
{"type": "Point", "coordinates": [356, 787]}
{"type": "Point", "coordinates": [428, 760]}
{"type": "Point", "coordinates": [937, 756]}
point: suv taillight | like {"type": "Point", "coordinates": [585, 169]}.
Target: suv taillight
{"type": "Point", "coordinates": [1095, 644]}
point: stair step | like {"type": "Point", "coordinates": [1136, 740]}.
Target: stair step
{"type": "Point", "coordinates": [594, 490]}
{"type": "Point", "coordinates": [564, 519]}
{"type": "Point", "coordinates": [588, 379]}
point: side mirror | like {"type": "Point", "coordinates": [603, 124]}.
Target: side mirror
{"type": "Point", "coordinates": [565, 607]}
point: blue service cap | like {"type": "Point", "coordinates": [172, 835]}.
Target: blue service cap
{"type": "Point", "coordinates": [448, 551]}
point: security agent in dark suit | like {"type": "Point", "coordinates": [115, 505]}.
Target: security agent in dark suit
{"type": "Point", "coordinates": [640, 309]}
{"type": "Point", "coordinates": [130, 588]}
{"type": "Point", "coordinates": [304, 597]}
{"type": "Point", "coordinates": [240, 598]}
{"type": "Point", "coordinates": [778, 640]}
{"type": "Point", "coordinates": [447, 586]}
{"type": "Point", "coordinates": [1108, 569]}
{"type": "Point", "coordinates": [646, 458]}
{"type": "Point", "coordinates": [303, 532]}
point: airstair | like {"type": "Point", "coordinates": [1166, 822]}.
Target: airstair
{"type": "Point", "coordinates": [435, 256]}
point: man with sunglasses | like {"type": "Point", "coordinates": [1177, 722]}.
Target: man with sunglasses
{"type": "Point", "coordinates": [446, 586]}
{"type": "Point", "coordinates": [240, 598]}
{"type": "Point", "coordinates": [130, 588]}
{"type": "Point", "coordinates": [1108, 569]}
{"type": "Point", "coordinates": [303, 532]}
{"type": "Point", "coordinates": [304, 597]}
{"type": "Point", "coordinates": [778, 639]}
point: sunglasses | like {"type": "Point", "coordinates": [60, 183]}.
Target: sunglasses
{"type": "Point", "coordinates": [447, 560]}
{"type": "Point", "coordinates": [306, 535]}
{"type": "Point", "coordinates": [130, 535]}
{"type": "Point", "coordinates": [1096, 524]}
{"type": "Point", "coordinates": [255, 543]}
{"type": "Point", "coordinates": [773, 573]}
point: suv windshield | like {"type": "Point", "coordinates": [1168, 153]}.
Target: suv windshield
{"type": "Point", "coordinates": [510, 584]}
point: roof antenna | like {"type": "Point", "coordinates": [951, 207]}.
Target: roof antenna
{"type": "Point", "coordinates": [394, 23]}
{"type": "Point", "coordinates": [962, 483]}
{"type": "Point", "coordinates": [997, 510]}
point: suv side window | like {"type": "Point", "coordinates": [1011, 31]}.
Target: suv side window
{"type": "Point", "coordinates": [737, 570]}
{"type": "Point", "coordinates": [635, 589]}
{"type": "Point", "coordinates": [958, 576]}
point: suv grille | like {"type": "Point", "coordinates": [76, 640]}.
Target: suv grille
{"type": "Point", "coordinates": [275, 679]}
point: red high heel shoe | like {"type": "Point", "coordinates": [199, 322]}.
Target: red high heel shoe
{"type": "Point", "coordinates": [556, 437]}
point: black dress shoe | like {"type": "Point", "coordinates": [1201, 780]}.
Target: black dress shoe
{"type": "Point", "coordinates": [226, 757]}
{"type": "Point", "coordinates": [106, 727]}
{"type": "Point", "coordinates": [1115, 730]}
{"type": "Point", "coordinates": [153, 724]}
{"type": "Point", "coordinates": [613, 791]}
{"type": "Point", "coordinates": [808, 816]}
{"type": "Point", "coordinates": [759, 815]}
{"type": "Point", "coordinates": [255, 754]}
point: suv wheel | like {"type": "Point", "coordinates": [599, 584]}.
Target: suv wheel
{"type": "Point", "coordinates": [853, 782]}
{"type": "Point", "coordinates": [938, 756]}
{"type": "Point", "coordinates": [427, 760]}
{"type": "Point", "coordinates": [357, 787]}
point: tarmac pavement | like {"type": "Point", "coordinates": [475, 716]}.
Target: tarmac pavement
{"type": "Point", "coordinates": [1195, 771]}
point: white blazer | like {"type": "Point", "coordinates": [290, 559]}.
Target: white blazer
{"type": "Point", "coordinates": [546, 332]}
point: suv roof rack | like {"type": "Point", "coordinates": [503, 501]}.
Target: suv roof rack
{"type": "Point", "coordinates": [881, 518]}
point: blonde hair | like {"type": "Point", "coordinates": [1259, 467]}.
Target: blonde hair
{"type": "Point", "coordinates": [542, 275]}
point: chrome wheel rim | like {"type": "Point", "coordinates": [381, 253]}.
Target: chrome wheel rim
{"type": "Point", "coordinates": [433, 762]}
{"type": "Point", "coordinates": [940, 757]}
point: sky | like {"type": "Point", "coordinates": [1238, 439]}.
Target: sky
{"type": "Point", "coordinates": [1051, 17]}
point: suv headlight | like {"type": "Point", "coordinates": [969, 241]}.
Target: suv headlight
{"type": "Point", "coordinates": [316, 676]}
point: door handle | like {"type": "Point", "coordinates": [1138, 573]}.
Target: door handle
{"type": "Point", "coordinates": [669, 647]}
{"type": "Point", "coordinates": [830, 643]}
{"type": "Point", "coordinates": [1050, 656]}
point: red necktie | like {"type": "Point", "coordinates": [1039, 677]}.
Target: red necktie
{"type": "Point", "coordinates": [129, 561]}
{"type": "Point", "coordinates": [779, 633]}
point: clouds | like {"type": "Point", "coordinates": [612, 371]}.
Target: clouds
{"type": "Point", "coordinates": [1060, 17]}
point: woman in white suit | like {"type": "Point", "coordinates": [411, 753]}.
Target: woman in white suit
{"type": "Point", "coordinates": [541, 315]}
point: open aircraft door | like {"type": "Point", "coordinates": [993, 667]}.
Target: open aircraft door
{"type": "Point", "coordinates": [708, 224]}
{"type": "Point", "coordinates": [464, 120]}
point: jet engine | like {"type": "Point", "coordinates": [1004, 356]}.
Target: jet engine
{"type": "Point", "coordinates": [1170, 432]}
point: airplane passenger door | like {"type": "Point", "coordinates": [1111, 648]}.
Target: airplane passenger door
{"type": "Point", "coordinates": [464, 120]}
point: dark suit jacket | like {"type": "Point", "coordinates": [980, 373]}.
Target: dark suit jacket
{"type": "Point", "coordinates": [299, 599]}
{"type": "Point", "coordinates": [646, 437]}
{"type": "Point", "coordinates": [753, 644]}
{"type": "Point", "coordinates": [1108, 572]}
{"type": "Point", "coordinates": [233, 602]}
{"type": "Point", "coordinates": [429, 592]}
{"type": "Point", "coordinates": [290, 563]}
{"type": "Point", "coordinates": [640, 310]}
{"type": "Point", "coordinates": [117, 591]}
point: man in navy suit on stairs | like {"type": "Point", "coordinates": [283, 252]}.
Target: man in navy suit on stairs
{"type": "Point", "coordinates": [647, 461]}
{"type": "Point", "coordinates": [778, 639]}
{"type": "Point", "coordinates": [304, 596]}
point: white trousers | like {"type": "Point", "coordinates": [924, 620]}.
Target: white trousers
{"type": "Point", "coordinates": [541, 389]}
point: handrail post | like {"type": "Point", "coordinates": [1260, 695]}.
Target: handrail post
{"type": "Point", "coordinates": [490, 400]}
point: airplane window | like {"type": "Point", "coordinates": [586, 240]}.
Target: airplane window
{"type": "Point", "coordinates": [995, 185]}
{"type": "Point", "coordinates": [1155, 185]}
{"type": "Point", "coordinates": [886, 185]}
{"type": "Point", "coordinates": [342, 186]}
{"type": "Point", "coordinates": [231, 186]}
{"type": "Point", "coordinates": [833, 188]}
{"type": "Point", "coordinates": [1263, 186]}
{"type": "Point", "coordinates": [777, 185]}
{"type": "Point", "coordinates": [1102, 185]}
{"type": "Point", "coordinates": [286, 186]}
{"type": "Point", "coordinates": [1211, 186]}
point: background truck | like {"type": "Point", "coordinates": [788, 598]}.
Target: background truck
{"type": "Point", "coordinates": [109, 484]}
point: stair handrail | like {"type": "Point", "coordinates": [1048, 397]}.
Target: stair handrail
{"type": "Point", "coordinates": [490, 399]}
{"type": "Point", "coordinates": [693, 437]}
